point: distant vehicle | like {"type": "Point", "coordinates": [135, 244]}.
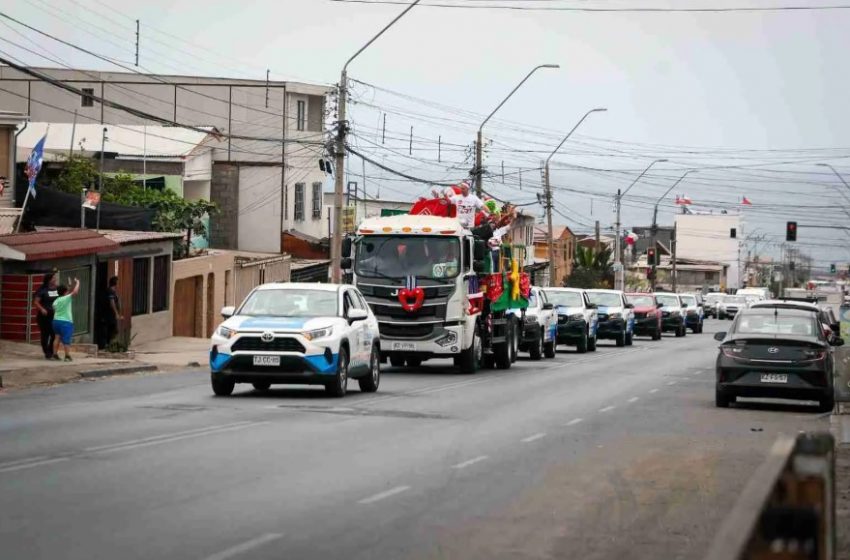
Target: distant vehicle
{"type": "Point", "coordinates": [775, 353]}
{"type": "Point", "coordinates": [672, 313]}
{"type": "Point", "coordinates": [693, 312]}
{"type": "Point", "coordinates": [757, 292]}
{"type": "Point", "coordinates": [730, 305]}
{"type": "Point", "coordinates": [647, 315]}
{"type": "Point", "coordinates": [616, 318]}
{"type": "Point", "coordinates": [539, 326]}
{"type": "Point", "coordinates": [577, 318]}
{"type": "Point", "coordinates": [711, 302]}
{"type": "Point", "coordinates": [830, 325]}
{"type": "Point", "coordinates": [317, 334]}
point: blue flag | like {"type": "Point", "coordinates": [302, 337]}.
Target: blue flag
{"type": "Point", "coordinates": [34, 163]}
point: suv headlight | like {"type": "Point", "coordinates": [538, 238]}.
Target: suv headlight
{"type": "Point", "coordinates": [530, 319]}
{"type": "Point", "coordinates": [577, 317]}
{"type": "Point", "coordinates": [225, 332]}
{"type": "Point", "coordinates": [318, 333]}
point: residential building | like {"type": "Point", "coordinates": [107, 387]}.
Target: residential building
{"type": "Point", "coordinates": [713, 238]}
{"type": "Point", "coordinates": [265, 166]}
{"type": "Point", "coordinates": [692, 275]}
{"type": "Point", "coordinates": [9, 123]}
{"type": "Point", "coordinates": [564, 242]}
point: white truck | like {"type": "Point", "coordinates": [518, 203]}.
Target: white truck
{"type": "Point", "coordinates": [424, 277]}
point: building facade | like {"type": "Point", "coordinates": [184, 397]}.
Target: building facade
{"type": "Point", "coordinates": [711, 237]}
{"type": "Point", "coordinates": [265, 164]}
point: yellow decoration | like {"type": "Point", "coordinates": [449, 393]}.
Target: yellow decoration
{"type": "Point", "coordinates": [514, 279]}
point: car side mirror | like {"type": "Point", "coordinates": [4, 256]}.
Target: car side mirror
{"type": "Point", "coordinates": [479, 250]}
{"type": "Point", "coordinates": [548, 306]}
{"type": "Point", "coordinates": [838, 341]}
{"type": "Point", "coordinates": [719, 336]}
{"type": "Point", "coordinates": [357, 315]}
{"type": "Point", "coordinates": [228, 311]}
{"type": "Point", "coordinates": [345, 263]}
{"type": "Point", "coordinates": [591, 306]}
{"type": "Point", "coordinates": [836, 327]}
{"type": "Point", "coordinates": [684, 305]}
{"type": "Point", "coordinates": [630, 306]}
{"type": "Point", "coordinates": [346, 246]}
{"type": "Point", "coordinates": [659, 305]}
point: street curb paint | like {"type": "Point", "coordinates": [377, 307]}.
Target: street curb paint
{"type": "Point", "coordinates": [118, 370]}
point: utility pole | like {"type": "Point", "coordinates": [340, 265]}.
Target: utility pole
{"type": "Point", "coordinates": [137, 42]}
{"type": "Point", "coordinates": [339, 149]}
{"type": "Point", "coordinates": [479, 171]}
{"type": "Point", "coordinates": [673, 244]}
{"type": "Point", "coordinates": [100, 179]}
{"type": "Point", "coordinates": [655, 224]}
{"type": "Point", "coordinates": [553, 271]}
{"type": "Point", "coordinates": [619, 279]}
{"type": "Point", "coordinates": [597, 235]}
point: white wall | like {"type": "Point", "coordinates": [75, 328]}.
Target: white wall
{"type": "Point", "coordinates": [259, 209]}
{"type": "Point", "coordinates": [707, 237]}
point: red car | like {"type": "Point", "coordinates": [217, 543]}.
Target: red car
{"type": "Point", "coordinates": [647, 315]}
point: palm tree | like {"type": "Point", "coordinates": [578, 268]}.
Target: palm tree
{"type": "Point", "coordinates": [591, 269]}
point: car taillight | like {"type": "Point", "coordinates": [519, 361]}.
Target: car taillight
{"type": "Point", "coordinates": [814, 355]}
{"type": "Point", "coordinates": [731, 351]}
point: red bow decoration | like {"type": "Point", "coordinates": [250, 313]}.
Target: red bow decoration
{"type": "Point", "coordinates": [411, 300]}
{"type": "Point", "coordinates": [524, 285]}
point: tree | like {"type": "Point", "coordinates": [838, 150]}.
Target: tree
{"type": "Point", "coordinates": [591, 269]}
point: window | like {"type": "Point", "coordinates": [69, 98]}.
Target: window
{"type": "Point", "coordinates": [161, 283]}
{"type": "Point", "coordinates": [87, 99]}
{"type": "Point", "coordinates": [299, 201]}
{"type": "Point", "coordinates": [317, 201]}
{"type": "Point", "coordinates": [315, 112]}
{"type": "Point", "coordinates": [141, 286]}
{"type": "Point", "coordinates": [302, 115]}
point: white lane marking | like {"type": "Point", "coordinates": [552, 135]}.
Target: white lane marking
{"type": "Point", "coordinates": [382, 495]}
{"type": "Point", "coordinates": [470, 462]}
{"type": "Point", "coordinates": [634, 399]}
{"type": "Point", "coordinates": [33, 464]}
{"type": "Point", "coordinates": [574, 421]}
{"type": "Point", "coordinates": [653, 390]}
{"type": "Point", "coordinates": [245, 547]}
{"type": "Point", "coordinates": [671, 383]}
{"type": "Point", "coordinates": [19, 461]}
{"type": "Point", "coordinates": [607, 408]}
{"type": "Point", "coordinates": [164, 436]}
{"type": "Point", "coordinates": [535, 437]}
{"type": "Point", "coordinates": [178, 438]}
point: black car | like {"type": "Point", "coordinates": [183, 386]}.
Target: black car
{"type": "Point", "coordinates": [775, 353]}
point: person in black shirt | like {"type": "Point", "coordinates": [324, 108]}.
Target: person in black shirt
{"type": "Point", "coordinates": [43, 302]}
{"type": "Point", "coordinates": [113, 313]}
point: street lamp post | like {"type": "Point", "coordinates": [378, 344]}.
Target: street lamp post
{"type": "Point", "coordinates": [552, 268]}
{"type": "Point", "coordinates": [655, 222]}
{"type": "Point", "coordinates": [619, 276]}
{"type": "Point", "coordinates": [837, 174]}
{"type": "Point", "coordinates": [339, 156]}
{"type": "Point", "coordinates": [478, 143]}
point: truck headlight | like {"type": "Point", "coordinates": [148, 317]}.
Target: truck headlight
{"type": "Point", "coordinates": [225, 332]}
{"type": "Point", "coordinates": [318, 333]}
{"type": "Point", "coordinates": [530, 319]}
{"type": "Point", "coordinates": [447, 339]}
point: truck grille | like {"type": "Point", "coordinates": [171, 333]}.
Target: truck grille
{"type": "Point", "coordinates": [603, 317]}
{"type": "Point", "coordinates": [397, 313]}
{"type": "Point", "coordinates": [278, 344]}
{"type": "Point", "coordinates": [640, 315]}
{"type": "Point", "coordinates": [411, 330]}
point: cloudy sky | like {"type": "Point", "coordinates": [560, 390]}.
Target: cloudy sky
{"type": "Point", "coordinates": [753, 99]}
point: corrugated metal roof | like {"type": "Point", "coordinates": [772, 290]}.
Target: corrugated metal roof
{"type": "Point", "coordinates": [123, 237]}
{"type": "Point", "coordinates": [43, 245]}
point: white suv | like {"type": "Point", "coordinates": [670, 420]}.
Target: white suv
{"type": "Point", "coordinates": [318, 334]}
{"type": "Point", "coordinates": [616, 316]}
{"type": "Point", "coordinates": [539, 334]}
{"type": "Point", "coordinates": [577, 318]}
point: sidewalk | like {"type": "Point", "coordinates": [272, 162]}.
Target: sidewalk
{"type": "Point", "coordinates": [840, 428]}
{"type": "Point", "coordinates": [23, 365]}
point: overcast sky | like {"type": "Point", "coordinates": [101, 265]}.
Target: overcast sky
{"type": "Point", "coordinates": [749, 89]}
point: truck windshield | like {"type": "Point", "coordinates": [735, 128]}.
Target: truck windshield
{"type": "Point", "coordinates": [395, 256]}
{"type": "Point", "coordinates": [565, 299]}
{"type": "Point", "coordinates": [605, 299]}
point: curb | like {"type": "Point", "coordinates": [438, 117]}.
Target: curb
{"type": "Point", "coordinates": [118, 370]}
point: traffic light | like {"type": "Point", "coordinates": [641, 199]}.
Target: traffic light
{"type": "Point", "coordinates": [791, 231]}
{"type": "Point", "coordinates": [733, 232]}
{"type": "Point", "coordinates": [832, 268]}
{"type": "Point", "coordinates": [651, 257]}
{"type": "Point", "coordinates": [791, 265]}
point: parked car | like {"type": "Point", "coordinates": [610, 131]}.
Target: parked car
{"type": "Point", "coordinates": [672, 313]}
{"type": "Point", "coordinates": [775, 353]}
{"type": "Point", "coordinates": [577, 318]}
{"type": "Point", "coordinates": [319, 334]}
{"type": "Point", "coordinates": [711, 301]}
{"type": "Point", "coordinates": [693, 312]}
{"type": "Point", "coordinates": [647, 315]}
{"type": "Point", "coordinates": [730, 305]}
{"type": "Point", "coordinates": [539, 335]}
{"type": "Point", "coordinates": [616, 316]}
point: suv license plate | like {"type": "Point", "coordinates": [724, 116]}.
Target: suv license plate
{"type": "Point", "coordinates": [774, 378]}
{"type": "Point", "coordinates": [406, 346]}
{"type": "Point", "coordinates": [266, 360]}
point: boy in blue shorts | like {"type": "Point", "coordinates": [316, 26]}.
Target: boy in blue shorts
{"type": "Point", "coordinates": [63, 319]}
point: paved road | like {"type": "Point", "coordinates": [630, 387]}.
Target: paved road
{"type": "Point", "coordinates": [613, 454]}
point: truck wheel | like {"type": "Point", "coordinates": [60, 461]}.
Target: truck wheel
{"type": "Point", "coordinates": [722, 398]}
{"type": "Point", "coordinates": [414, 362]}
{"type": "Point", "coordinates": [470, 359]}
{"type": "Point", "coordinates": [502, 351]}
{"type": "Point", "coordinates": [369, 383]}
{"type": "Point", "coordinates": [488, 361]}
{"type": "Point", "coordinates": [629, 338]}
{"type": "Point", "coordinates": [657, 334]}
{"type": "Point", "coordinates": [222, 386]}
{"type": "Point", "coordinates": [581, 345]}
{"type": "Point", "coordinates": [550, 348]}
{"type": "Point", "coordinates": [396, 361]}
{"type": "Point", "coordinates": [721, 316]}
{"type": "Point", "coordinates": [514, 340]}
{"type": "Point", "coordinates": [827, 403]}
{"type": "Point", "coordinates": [339, 385]}
{"type": "Point", "coordinates": [621, 339]}
{"type": "Point", "coordinates": [535, 351]}
{"type": "Point", "coordinates": [591, 343]}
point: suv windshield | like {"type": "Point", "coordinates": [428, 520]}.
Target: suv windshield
{"type": "Point", "coordinates": [605, 299]}
{"type": "Point", "coordinates": [689, 300]}
{"type": "Point", "coordinates": [776, 324]}
{"type": "Point", "coordinates": [668, 300]}
{"type": "Point", "coordinates": [290, 303]}
{"type": "Point", "coordinates": [565, 299]}
{"type": "Point", "coordinates": [393, 256]}
{"type": "Point", "coordinates": [641, 301]}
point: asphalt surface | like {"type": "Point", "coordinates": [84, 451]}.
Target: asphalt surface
{"type": "Point", "coordinates": [614, 454]}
